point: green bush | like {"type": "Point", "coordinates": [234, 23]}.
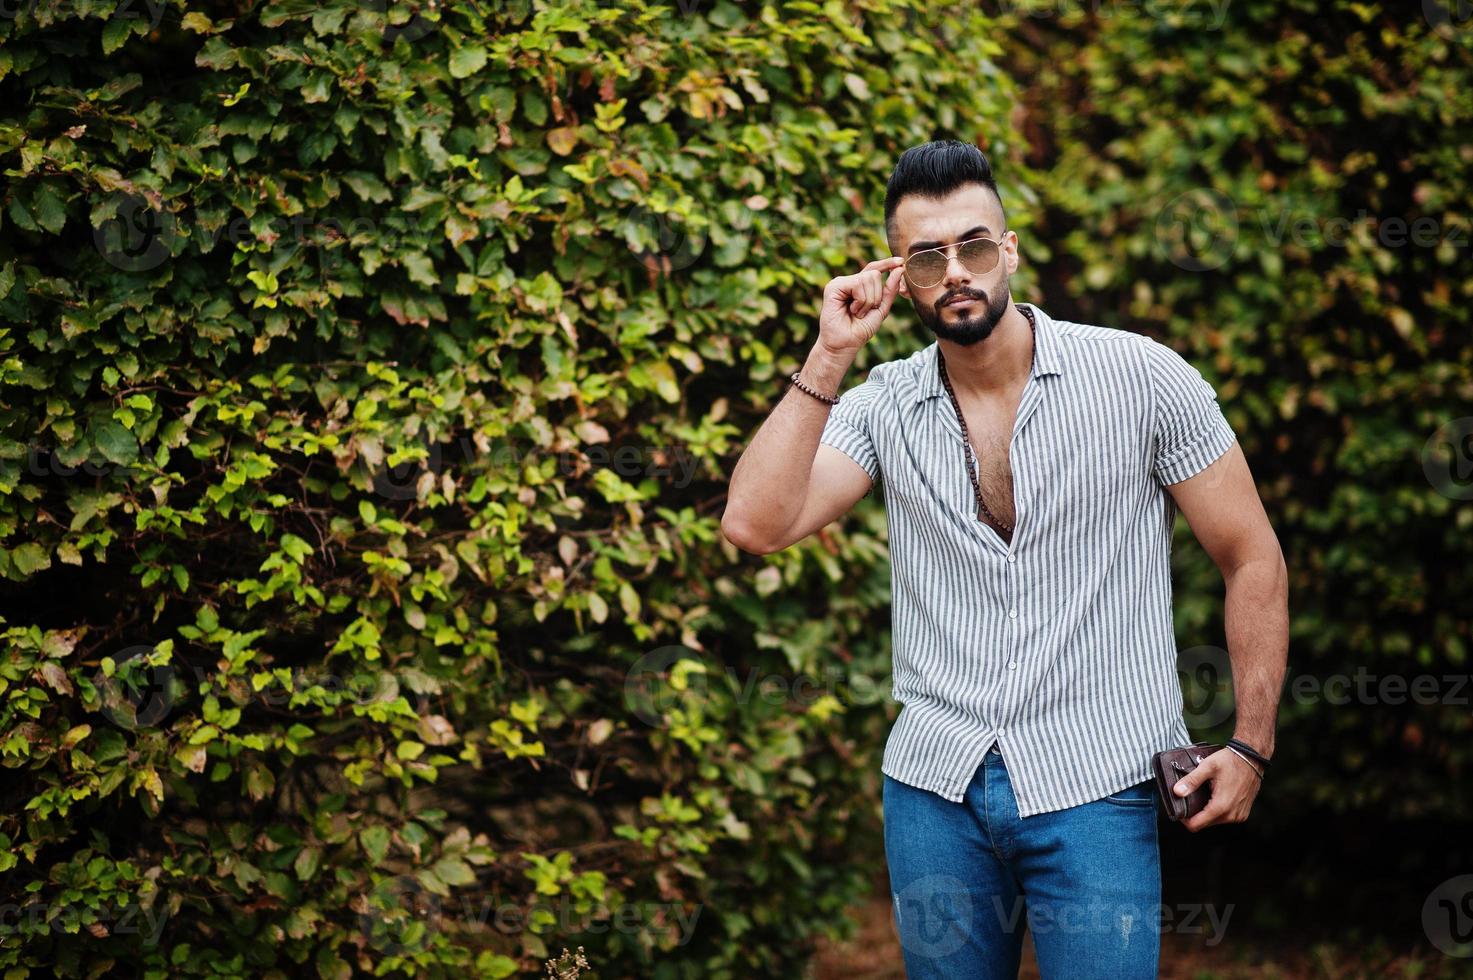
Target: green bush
{"type": "Point", "coordinates": [329, 599]}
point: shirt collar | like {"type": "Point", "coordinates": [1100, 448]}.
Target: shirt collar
{"type": "Point", "coordinates": [1046, 359]}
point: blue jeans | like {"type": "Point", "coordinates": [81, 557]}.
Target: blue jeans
{"type": "Point", "coordinates": [965, 879]}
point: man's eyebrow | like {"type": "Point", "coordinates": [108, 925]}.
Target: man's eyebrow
{"type": "Point", "coordinates": [974, 232]}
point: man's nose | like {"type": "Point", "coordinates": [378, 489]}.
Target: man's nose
{"type": "Point", "coordinates": [956, 273]}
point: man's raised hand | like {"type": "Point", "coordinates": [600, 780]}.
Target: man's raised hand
{"type": "Point", "coordinates": [855, 306]}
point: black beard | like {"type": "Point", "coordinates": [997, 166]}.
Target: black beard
{"type": "Point", "coordinates": [968, 330]}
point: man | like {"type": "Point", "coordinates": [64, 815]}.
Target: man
{"type": "Point", "coordinates": [1032, 469]}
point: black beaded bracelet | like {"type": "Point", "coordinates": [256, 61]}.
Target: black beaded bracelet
{"type": "Point", "coordinates": [798, 383]}
{"type": "Point", "coordinates": [1249, 751]}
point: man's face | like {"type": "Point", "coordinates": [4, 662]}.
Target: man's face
{"type": "Point", "coordinates": [963, 307]}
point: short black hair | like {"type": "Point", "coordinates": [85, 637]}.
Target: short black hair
{"type": "Point", "coordinates": [936, 169]}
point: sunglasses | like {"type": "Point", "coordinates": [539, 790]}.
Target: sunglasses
{"type": "Point", "coordinates": [926, 268]}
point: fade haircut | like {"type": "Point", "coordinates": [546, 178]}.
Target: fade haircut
{"type": "Point", "coordinates": [934, 170]}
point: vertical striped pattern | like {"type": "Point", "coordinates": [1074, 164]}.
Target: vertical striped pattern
{"type": "Point", "coordinates": [1059, 648]}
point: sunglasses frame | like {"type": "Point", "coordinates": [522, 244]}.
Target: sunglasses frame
{"type": "Point", "coordinates": [997, 255]}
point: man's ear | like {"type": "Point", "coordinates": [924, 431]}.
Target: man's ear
{"type": "Point", "coordinates": [904, 287]}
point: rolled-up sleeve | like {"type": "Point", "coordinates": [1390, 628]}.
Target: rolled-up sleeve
{"type": "Point", "coordinates": [848, 427]}
{"type": "Point", "coordinates": [1190, 430]}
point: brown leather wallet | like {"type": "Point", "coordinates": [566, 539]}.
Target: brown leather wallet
{"type": "Point", "coordinates": [1170, 766]}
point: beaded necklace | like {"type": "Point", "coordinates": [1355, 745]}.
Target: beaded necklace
{"type": "Point", "coordinates": [982, 510]}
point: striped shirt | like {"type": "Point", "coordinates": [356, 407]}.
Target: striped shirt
{"type": "Point", "coordinates": [1059, 645]}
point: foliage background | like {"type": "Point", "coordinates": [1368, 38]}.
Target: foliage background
{"type": "Point", "coordinates": [333, 626]}
{"type": "Point", "coordinates": [320, 613]}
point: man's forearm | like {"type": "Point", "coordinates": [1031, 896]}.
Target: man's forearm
{"type": "Point", "coordinates": [770, 482]}
{"type": "Point", "coordinates": [1256, 615]}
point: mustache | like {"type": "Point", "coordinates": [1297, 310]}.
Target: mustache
{"type": "Point", "coordinates": [968, 293]}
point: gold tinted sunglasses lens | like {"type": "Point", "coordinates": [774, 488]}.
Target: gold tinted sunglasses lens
{"type": "Point", "coordinates": [926, 269]}
{"type": "Point", "coordinates": [979, 255]}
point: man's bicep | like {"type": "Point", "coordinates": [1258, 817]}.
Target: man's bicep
{"type": "Point", "coordinates": [836, 484]}
{"type": "Point", "coordinates": [1222, 505]}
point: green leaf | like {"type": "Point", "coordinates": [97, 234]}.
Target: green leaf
{"type": "Point", "coordinates": [466, 61]}
{"type": "Point", "coordinates": [115, 32]}
{"type": "Point", "coordinates": [115, 442]}
{"type": "Point", "coordinates": [297, 548]}
{"type": "Point", "coordinates": [30, 558]}
{"type": "Point", "coordinates": [495, 966]}
{"type": "Point", "coordinates": [454, 871]}
{"type": "Point", "coordinates": [420, 268]}
{"type": "Point", "coordinates": [308, 858]}
{"type": "Point", "coordinates": [375, 841]}
{"type": "Point", "coordinates": [49, 209]}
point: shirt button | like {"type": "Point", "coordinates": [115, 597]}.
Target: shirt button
{"type": "Point", "coordinates": [1012, 557]}
{"type": "Point", "coordinates": [1012, 665]}
{"type": "Point", "coordinates": [1012, 614]}
{"type": "Point", "coordinates": [1002, 731]}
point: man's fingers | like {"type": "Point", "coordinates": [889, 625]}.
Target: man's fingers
{"type": "Point", "coordinates": [884, 265]}
{"type": "Point", "coordinates": [1187, 783]}
{"type": "Point", "coordinates": [1206, 816]}
{"type": "Point", "coordinates": [870, 277]}
{"type": "Point", "coordinates": [1196, 777]}
{"type": "Point", "coordinates": [870, 288]}
{"type": "Point", "coordinates": [892, 284]}
{"type": "Point", "coordinates": [1215, 804]}
{"type": "Point", "coordinates": [880, 290]}
{"type": "Point", "coordinates": [892, 289]}
{"type": "Point", "coordinates": [1227, 805]}
{"type": "Point", "coordinates": [869, 291]}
